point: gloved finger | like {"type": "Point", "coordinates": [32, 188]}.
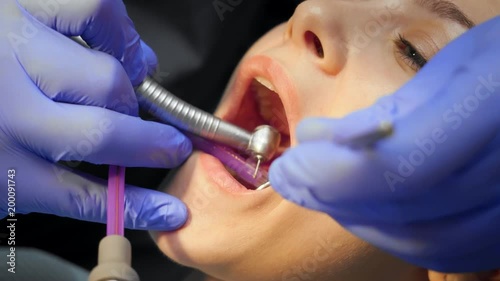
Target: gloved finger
{"type": "Point", "coordinates": [360, 187]}
{"type": "Point", "coordinates": [151, 58]}
{"type": "Point", "coordinates": [66, 72]}
{"type": "Point", "coordinates": [299, 174]}
{"type": "Point", "coordinates": [432, 81]}
{"type": "Point", "coordinates": [103, 24]}
{"type": "Point", "coordinates": [102, 136]}
{"type": "Point", "coordinates": [339, 130]}
{"type": "Point", "coordinates": [93, 134]}
{"type": "Point", "coordinates": [54, 189]}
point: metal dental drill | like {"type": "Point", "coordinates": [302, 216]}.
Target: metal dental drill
{"type": "Point", "coordinates": [261, 144]}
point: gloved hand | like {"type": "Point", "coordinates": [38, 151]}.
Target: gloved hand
{"type": "Point", "coordinates": [60, 101]}
{"type": "Point", "coordinates": [430, 193]}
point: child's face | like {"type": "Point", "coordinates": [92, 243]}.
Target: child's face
{"type": "Point", "coordinates": [333, 57]}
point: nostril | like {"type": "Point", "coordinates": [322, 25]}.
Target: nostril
{"type": "Point", "coordinates": [313, 42]}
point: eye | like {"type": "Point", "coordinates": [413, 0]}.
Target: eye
{"type": "Point", "coordinates": [410, 54]}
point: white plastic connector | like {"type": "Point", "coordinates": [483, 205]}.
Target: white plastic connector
{"type": "Point", "coordinates": [114, 261]}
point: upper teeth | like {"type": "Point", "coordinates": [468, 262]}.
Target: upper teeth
{"type": "Point", "coordinates": [268, 104]}
{"type": "Point", "coordinates": [265, 83]}
{"type": "Point", "coordinates": [263, 97]}
{"type": "Point", "coordinates": [267, 100]}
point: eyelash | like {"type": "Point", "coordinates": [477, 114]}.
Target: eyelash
{"type": "Point", "coordinates": [409, 53]}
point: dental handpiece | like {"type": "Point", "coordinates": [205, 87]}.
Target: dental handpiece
{"type": "Point", "coordinates": [261, 144]}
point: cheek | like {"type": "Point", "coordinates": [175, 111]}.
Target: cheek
{"type": "Point", "coordinates": [359, 85]}
{"type": "Point", "coordinates": [335, 97]}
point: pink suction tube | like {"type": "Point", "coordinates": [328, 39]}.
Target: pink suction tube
{"type": "Point", "coordinates": [116, 197]}
{"type": "Point", "coordinates": [244, 168]}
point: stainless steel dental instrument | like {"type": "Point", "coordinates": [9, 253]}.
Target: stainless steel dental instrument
{"type": "Point", "coordinates": [368, 138]}
{"type": "Point", "coordinates": [364, 140]}
{"type": "Point", "coordinates": [261, 144]}
{"type": "Point", "coordinates": [264, 186]}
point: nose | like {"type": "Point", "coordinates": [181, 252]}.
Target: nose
{"type": "Point", "coordinates": [317, 30]}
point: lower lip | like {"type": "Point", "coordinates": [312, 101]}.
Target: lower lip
{"type": "Point", "coordinates": [217, 173]}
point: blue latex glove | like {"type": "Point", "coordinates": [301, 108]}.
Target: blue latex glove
{"type": "Point", "coordinates": [430, 194]}
{"type": "Point", "coordinates": [60, 101]}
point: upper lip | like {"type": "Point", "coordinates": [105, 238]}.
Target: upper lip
{"type": "Point", "coordinates": [258, 67]}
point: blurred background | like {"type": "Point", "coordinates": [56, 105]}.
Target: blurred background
{"type": "Point", "coordinates": [198, 47]}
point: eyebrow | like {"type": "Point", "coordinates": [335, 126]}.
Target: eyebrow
{"type": "Point", "coordinates": [446, 10]}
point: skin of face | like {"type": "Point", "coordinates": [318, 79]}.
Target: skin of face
{"type": "Point", "coordinates": [257, 235]}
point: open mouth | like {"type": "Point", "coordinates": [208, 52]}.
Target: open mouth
{"type": "Point", "coordinates": [259, 104]}
{"type": "Point", "coordinates": [262, 105]}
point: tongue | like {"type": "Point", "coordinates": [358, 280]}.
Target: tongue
{"type": "Point", "coordinates": [242, 167]}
